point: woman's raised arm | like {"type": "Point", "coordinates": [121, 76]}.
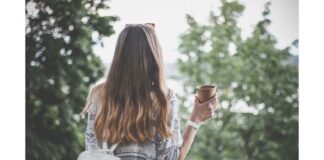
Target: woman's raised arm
{"type": "Point", "coordinates": [200, 113]}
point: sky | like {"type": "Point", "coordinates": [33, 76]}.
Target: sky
{"type": "Point", "coordinates": [169, 18]}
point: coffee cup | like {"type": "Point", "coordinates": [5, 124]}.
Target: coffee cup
{"type": "Point", "coordinates": [206, 92]}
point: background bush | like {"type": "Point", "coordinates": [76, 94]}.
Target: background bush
{"type": "Point", "coordinates": [60, 66]}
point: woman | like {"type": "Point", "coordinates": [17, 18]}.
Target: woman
{"type": "Point", "coordinates": [134, 107]}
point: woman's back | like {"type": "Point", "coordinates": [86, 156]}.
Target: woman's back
{"type": "Point", "coordinates": [135, 108]}
{"type": "Point", "coordinates": [158, 148]}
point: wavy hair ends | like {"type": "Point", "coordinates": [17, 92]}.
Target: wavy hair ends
{"type": "Point", "coordinates": [134, 99]}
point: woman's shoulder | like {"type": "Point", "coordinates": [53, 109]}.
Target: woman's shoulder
{"type": "Point", "coordinates": [96, 92]}
{"type": "Point", "coordinates": [93, 98]}
{"type": "Point", "coordinates": [96, 89]}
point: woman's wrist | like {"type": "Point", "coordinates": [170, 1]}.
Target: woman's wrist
{"type": "Point", "coordinates": [193, 124]}
{"type": "Point", "coordinates": [195, 119]}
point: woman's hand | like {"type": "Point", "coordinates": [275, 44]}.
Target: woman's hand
{"type": "Point", "coordinates": [203, 111]}
{"type": "Point", "coordinates": [200, 113]}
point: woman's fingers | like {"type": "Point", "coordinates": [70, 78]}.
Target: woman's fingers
{"type": "Point", "coordinates": [211, 100]}
{"type": "Point", "coordinates": [206, 109]}
{"type": "Point", "coordinates": [196, 98]}
{"type": "Point", "coordinates": [212, 114]}
{"type": "Point", "coordinates": [212, 109]}
{"type": "Point", "coordinates": [210, 106]}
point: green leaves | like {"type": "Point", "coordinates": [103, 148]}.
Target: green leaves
{"type": "Point", "coordinates": [256, 79]}
{"type": "Point", "coordinates": [60, 66]}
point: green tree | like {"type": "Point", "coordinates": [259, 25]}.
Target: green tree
{"type": "Point", "coordinates": [249, 71]}
{"type": "Point", "coordinates": [60, 66]}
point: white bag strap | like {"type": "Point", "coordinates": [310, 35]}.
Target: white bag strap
{"type": "Point", "coordinates": [111, 149]}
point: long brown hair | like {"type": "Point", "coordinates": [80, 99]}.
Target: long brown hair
{"type": "Point", "coordinates": [134, 97]}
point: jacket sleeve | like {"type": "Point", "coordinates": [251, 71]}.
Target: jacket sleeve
{"type": "Point", "coordinates": [91, 142]}
{"type": "Point", "coordinates": [169, 149]}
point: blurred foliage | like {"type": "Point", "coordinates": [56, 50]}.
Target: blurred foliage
{"type": "Point", "coordinates": [250, 73]}
{"type": "Point", "coordinates": [60, 66]}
